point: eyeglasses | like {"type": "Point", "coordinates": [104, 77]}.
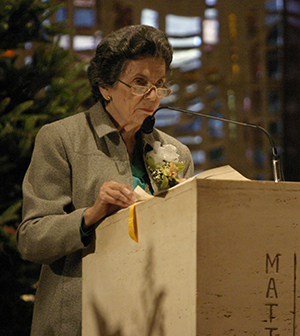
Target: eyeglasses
{"type": "Point", "coordinates": [140, 90]}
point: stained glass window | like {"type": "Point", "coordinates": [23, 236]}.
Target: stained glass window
{"type": "Point", "coordinates": [149, 17]}
{"type": "Point", "coordinates": [84, 17]}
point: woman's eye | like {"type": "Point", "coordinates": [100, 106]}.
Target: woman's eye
{"type": "Point", "coordinates": [160, 83]}
{"type": "Point", "coordinates": [139, 82]}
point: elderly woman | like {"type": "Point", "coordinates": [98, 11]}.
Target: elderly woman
{"type": "Point", "coordinates": [85, 167]}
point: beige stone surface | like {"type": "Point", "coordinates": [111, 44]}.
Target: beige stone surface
{"type": "Point", "coordinates": [215, 257]}
{"type": "Point", "coordinates": [145, 288]}
{"type": "Point", "coordinates": [247, 251]}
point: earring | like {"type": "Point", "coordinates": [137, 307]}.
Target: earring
{"type": "Point", "coordinates": [108, 97]}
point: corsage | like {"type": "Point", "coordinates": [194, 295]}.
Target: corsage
{"type": "Point", "coordinates": [163, 164]}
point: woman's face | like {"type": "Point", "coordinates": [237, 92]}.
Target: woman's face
{"type": "Point", "coordinates": [129, 110]}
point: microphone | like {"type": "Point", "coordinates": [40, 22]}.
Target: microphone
{"type": "Point", "coordinates": [148, 124]}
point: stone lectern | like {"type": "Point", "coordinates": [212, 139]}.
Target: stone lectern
{"type": "Point", "coordinates": [217, 255]}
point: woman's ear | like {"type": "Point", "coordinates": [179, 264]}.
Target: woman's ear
{"type": "Point", "coordinates": [105, 93]}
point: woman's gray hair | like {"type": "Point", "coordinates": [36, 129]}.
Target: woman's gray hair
{"type": "Point", "coordinates": [119, 47]}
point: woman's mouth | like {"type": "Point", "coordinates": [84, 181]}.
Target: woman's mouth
{"type": "Point", "coordinates": [147, 110]}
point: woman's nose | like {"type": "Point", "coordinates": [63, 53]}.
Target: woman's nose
{"type": "Point", "coordinates": [151, 94]}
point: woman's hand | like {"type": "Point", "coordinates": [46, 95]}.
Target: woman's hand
{"type": "Point", "coordinates": [112, 196]}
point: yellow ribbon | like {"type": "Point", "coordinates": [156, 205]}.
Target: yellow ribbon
{"type": "Point", "coordinates": [132, 224]}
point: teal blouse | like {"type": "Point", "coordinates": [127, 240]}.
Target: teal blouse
{"type": "Point", "coordinates": [139, 173]}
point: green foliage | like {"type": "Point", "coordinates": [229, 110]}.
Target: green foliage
{"type": "Point", "coordinates": [52, 86]}
{"type": "Point", "coordinates": [22, 21]}
{"type": "Point", "coordinates": [47, 89]}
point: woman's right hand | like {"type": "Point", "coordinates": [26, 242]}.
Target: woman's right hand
{"type": "Point", "coordinates": [112, 196]}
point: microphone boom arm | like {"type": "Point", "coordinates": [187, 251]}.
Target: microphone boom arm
{"type": "Point", "coordinates": [277, 167]}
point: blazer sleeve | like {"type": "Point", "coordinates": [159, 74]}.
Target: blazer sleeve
{"type": "Point", "coordinates": [189, 164]}
{"type": "Point", "coordinates": [50, 228]}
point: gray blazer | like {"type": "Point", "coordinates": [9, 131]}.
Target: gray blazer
{"type": "Point", "coordinates": [72, 158]}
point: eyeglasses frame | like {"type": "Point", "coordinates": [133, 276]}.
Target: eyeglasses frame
{"type": "Point", "coordinates": [149, 89]}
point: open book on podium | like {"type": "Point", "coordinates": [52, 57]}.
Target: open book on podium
{"type": "Point", "coordinates": [216, 255]}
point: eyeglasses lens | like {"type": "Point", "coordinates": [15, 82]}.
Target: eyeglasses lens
{"type": "Point", "coordinates": [140, 90]}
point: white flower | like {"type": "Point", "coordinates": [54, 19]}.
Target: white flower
{"type": "Point", "coordinates": [165, 153]}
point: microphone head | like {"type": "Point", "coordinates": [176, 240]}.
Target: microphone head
{"type": "Point", "coordinates": [148, 124]}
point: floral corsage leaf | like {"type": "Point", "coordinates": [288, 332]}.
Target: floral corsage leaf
{"type": "Point", "coordinates": [164, 166]}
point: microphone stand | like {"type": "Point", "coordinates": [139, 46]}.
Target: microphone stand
{"type": "Point", "coordinates": [276, 163]}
